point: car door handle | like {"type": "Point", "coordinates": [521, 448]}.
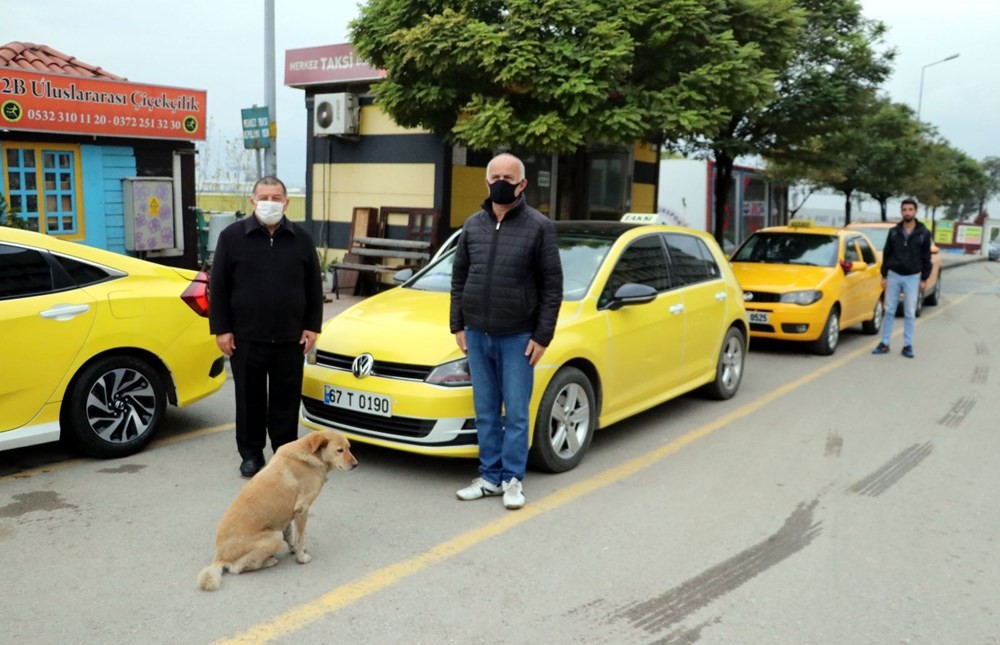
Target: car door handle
{"type": "Point", "coordinates": [676, 309]}
{"type": "Point", "coordinates": [720, 296]}
{"type": "Point", "coordinates": [65, 312]}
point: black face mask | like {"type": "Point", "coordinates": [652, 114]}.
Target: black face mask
{"type": "Point", "coordinates": [502, 192]}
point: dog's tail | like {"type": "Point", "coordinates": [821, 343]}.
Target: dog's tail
{"type": "Point", "coordinates": [210, 578]}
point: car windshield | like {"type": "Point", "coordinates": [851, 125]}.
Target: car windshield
{"type": "Point", "coordinates": [581, 256]}
{"type": "Point", "coordinates": [789, 248]}
{"type": "Point", "coordinates": [877, 235]}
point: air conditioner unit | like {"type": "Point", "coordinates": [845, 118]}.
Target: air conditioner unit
{"type": "Point", "coordinates": [335, 114]}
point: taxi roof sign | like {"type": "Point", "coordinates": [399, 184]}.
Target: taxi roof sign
{"type": "Point", "coordinates": [801, 223]}
{"type": "Point", "coordinates": [644, 218]}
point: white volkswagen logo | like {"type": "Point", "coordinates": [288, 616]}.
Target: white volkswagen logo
{"type": "Point", "coordinates": [748, 295]}
{"type": "Point", "coordinates": [362, 366]}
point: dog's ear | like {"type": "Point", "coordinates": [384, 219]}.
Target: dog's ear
{"type": "Point", "coordinates": [317, 441]}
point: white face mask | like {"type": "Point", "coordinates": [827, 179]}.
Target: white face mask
{"type": "Point", "coordinates": [269, 213]}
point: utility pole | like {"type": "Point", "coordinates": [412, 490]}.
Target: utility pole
{"type": "Point", "coordinates": [270, 94]}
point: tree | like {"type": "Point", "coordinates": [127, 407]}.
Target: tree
{"type": "Point", "coordinates": [948, 178]}
{"type": "Point", "coordinates": [556, 76]}
{"type": "Point", "coordinates": [991, 187]}
{"type": "Point", "coordinates": [833, 72]}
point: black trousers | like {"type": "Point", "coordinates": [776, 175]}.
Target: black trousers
{"type": "Point", "coordinates": [268, 380]}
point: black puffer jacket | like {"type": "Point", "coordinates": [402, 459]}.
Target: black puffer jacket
{"type": "Point", "coordinates": [507, 277]}
{"type": "Point", "coordinates": [907, 255]}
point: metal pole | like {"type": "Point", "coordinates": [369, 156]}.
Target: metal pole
{"type": "Point", "coordinates": [920, 99]}
{"type": "Point", "coordinates": [270, 94]}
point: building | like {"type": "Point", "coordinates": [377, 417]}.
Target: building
{"type": "Point", "coordinates": [89, 156]}
{"type": "Point", "coordinates": [358, 158]}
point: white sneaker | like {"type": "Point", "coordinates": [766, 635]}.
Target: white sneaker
{"type": "Point", "coordinates": [513, 494]}
{"type": "Point", "coordinates": [478, 488]}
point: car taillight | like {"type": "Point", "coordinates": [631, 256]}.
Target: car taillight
{"type": "Point", "coordinates": [196, 294]}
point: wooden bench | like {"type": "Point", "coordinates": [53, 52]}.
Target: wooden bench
{"type": "Point", "coordinates": [377, 250]}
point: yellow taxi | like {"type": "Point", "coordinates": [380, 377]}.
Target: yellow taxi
{"type": "Point", "coordinates": [96, 343]}
{"type": "Point", "coordinates": [649, 312]}
{"type": "Point", "coordinates": [878, 233]}
{"type": "Point", "coordinates": [807, 283]}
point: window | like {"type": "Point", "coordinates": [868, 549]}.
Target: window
{"type": "Point", "coordinates": [851, 250]}
{"type": "Point", "coordinates": [867, 252]}
{"type": "Point", "coordinates": [690, 260]}
{"type": "Point", "coordinates": [23, 272]}
{"type": "Point", "coordinates": [643, 262]}
{"type": "Point", "coordinates": [43, 187]}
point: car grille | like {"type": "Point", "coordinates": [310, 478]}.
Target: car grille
{"type": "Point", "coordinates": [761, 296]}
{"type": "Point", "coordinates": [402, 429]}
{"type": "Point", "coordinates": [385, 369]}
{"type": "Point", "coordinates": [762, 328]}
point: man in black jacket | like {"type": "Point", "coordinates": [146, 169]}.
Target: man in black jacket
{"type": "Point", "coordinates": [266, 311]}
{"type": "Point", "coordinates": [906, 265]}
{"type": "Point", "coordinates": [506, 290]}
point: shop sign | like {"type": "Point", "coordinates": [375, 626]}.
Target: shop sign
{"type": "Point", "coordinates": [37, 102]}
{"type": "Point", "coordinates": [944, 232]}
{"type": "Point", "coordinates": [328, 64]}
{"type": "Point", "coordinates": [256, 128]}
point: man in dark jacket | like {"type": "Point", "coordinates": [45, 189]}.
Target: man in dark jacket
{"type": "Point", "coordinates": [906, 265]}
{"type": "Point", "coordinates": [506, 289]}
{"type": "Point", "coordinates": [266, 311]}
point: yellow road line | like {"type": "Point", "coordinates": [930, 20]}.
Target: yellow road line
{"type": "Point", "coordinates": [298, 617]}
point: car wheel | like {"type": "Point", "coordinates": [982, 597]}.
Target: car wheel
{"type": "Point", "coordinates": [729, 368]}
{"type": "Point", "coordinates": [872, 326]}
{"type": "Point", "coordinates": [826, 344]}
{"type": "Point", "coordinates": [935, 295]}
{"type": "Point", "coordinates": [565, 424]}
{"type": "Point", "coordinates": [115, 406]}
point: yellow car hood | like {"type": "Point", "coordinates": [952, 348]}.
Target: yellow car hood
{"type": "Point", "coordinates": [780, 278]}
{"type": "Point", "coordinates": [402, 325]}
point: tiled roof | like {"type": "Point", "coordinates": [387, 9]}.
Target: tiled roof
{"type": "Point", "coordinates": [42, 58]}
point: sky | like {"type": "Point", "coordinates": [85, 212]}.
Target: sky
{"type": "Point", "coordinates": [218, 46]}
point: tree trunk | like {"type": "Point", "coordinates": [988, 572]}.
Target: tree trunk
{"type": "Point", "coordinates": [883, 205]}
{"type": "Point", "coordinates": [723, 180]}
{"type": "Point", "coordinates": [847, 207]}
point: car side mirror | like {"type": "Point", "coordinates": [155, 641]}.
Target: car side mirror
{"type": "Point", "coordinates": [632, 293]}
{"type": "Point", "coordinates": [402, 275]}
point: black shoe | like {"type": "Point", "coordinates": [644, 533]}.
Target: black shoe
{"type": "Point", "coordinates": [251, 466]}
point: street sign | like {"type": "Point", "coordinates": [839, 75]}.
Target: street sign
{"type": "Point", "coordinates": [256, 128]}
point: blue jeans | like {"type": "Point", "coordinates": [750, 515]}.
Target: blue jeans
{"type": "Point", "coordinates": [910, 286]}
{"type": "Point", "coordinates": [502, 380]}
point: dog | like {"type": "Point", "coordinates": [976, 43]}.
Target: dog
{"type": "Point", "coordinates": [261, 517]}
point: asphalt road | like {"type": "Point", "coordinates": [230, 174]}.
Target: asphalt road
{"type": "Point", "coordinates": [844, 499]}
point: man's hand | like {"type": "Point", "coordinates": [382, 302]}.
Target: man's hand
{"type": "Point", "coordinates": [308, 339]}
{"type": "Point", "coordinates": [923, 285]}
{"type": "Point", "coordinates": [226, 343]}
{"type": "Point", "coordinates": [883, 284]}
{"type": "Point", "coordinates": [534, 352]}
{"type": "Point", "coordinates": [460, 341]}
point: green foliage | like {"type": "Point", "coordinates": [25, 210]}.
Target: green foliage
{"type": "Point", "coordinates": [556, 75]}
{"type": "Point", "coordinates": [9, 217]}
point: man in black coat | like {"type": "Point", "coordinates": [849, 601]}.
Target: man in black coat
{"type": "Point", "coordinates": [506, 291]}
{"type": "Point", "coordinates": [266, 311]}
{"type": "Point", "coordinates": [906, 265]}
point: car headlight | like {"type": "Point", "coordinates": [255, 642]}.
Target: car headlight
{"type": "Point", "coordinates": [802, 297]}
{"type": "Point", "coordinates": [453, 374]}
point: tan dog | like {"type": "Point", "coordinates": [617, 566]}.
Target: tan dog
{"type": "Point", "coordinates": [261, 516]}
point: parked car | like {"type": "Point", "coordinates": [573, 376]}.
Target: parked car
{"type": "Point", "coordinates": [878, 232]}
{"type": "Point", "coordinates": [96, 343]}
{"type": "Point", "coordinates": [994, 250]}
{"type": "Point", "coordinates": [806, 283]}
{"type": "Point", "coordinates": [649, 312]}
